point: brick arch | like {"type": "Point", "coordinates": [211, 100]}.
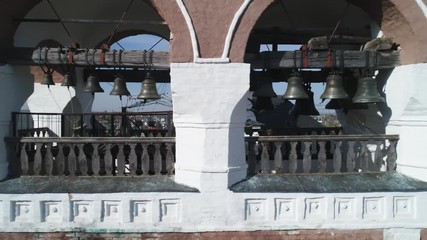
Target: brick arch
{"type": "Point", "coordinates": [125, 33]}
{"type": "Point", "coordinates": [402, 20]}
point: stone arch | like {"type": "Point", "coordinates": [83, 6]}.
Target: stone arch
{"type": "Point", "coordinates": [126, 33]}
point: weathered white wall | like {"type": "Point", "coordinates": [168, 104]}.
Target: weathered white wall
{"type": "Point", "coordinates": [16, 85]}
{"type": "Point", "coordinates": [407, 99]}
{"type": "Point", "coordinates": [219, 211]}
{"type": "Point", "coordinates": [209, 115]}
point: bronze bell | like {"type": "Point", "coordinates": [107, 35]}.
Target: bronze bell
{"type": "Point", "coordinates": [367, 91]}
{"type": "Point", "coordinates": [334, 87]}
{"type": "Point", "coordinates": [148, 90]}
{"type": "Point", "coordinates": [68, 81]}
{"type": "Point", "coordinates": [265, 89]}
{"type": "Point", "coordinates": [334, 104]}
{"type": "Point", "coordinates": [48, 79]}
{"type": "Point", "coordinates": [92, 85]}
{"type": "Point", "coordinates": [263, 103]}
{"type": "Point", "coordinates": [120, 87]}
{"type": "Point", "coordinates": [295, 88]}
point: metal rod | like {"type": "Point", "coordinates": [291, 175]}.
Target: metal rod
{"type": "Point", "coordinates": [88, 21]}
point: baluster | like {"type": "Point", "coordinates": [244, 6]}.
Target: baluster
{"type": "Point", "coordinates": [364, 157]}
{"type": "Point", "coordinates": [293, 158]}
{"type": "Point", "coordinates": [60, 160]}
{"type": "Point", "coordinates": [24, 159]}
{"type": "Point", "coordinates": [159, 134]}
{"type": "Point", "coordinates": [321, 157]}
{"type": "Point", "coordinates": [306, 161]}
{"type": "Point", "coordinates": [170, 159]}
{"type": "Point", "coordinates": [145, 159]}
{"type": "Point", "coordinates": [120, 161]}
{"type": "Point", "coordinates": [38, 159]}
{"type": "Point", "coordinates": [132, 159]}
{"type": "Point", "coordinates": [157, 159]}
{"type": "Point", "coordinates": [48, 159]}
{"type": "Point", "coordinates": [72, 161]}
{"type": "Point", "coordinates": [337, 157]}
{"type": "Point", "coordinates": [378, 159]}
{"type": "Point", "coordinates": [314, 143]}
{"type": "Point", "coordinates": [332, 146]}
{"type": "Point", "coordinates": [108, 160]}
{"type": "Point", "coordinates": [251, 158]}
{"type": "Point", "coordinates": [95, 160]}
{"type": "Point", "coordinates": [278, 162]}
{"type": "Point", "coordinates": [82, 160]}
{"type": "Point", "coordinates": [351, 157]}
{"type": "Point", "coordinates": [391, 156]}
{"type": "Point", "coordinates": [264, 157]}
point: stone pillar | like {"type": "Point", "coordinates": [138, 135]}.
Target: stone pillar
{"type": "Point", "coordinates": [407, 99]}
{"type": "Point", "coordinates": [209, 114]}
{"type": "Point", "coordinates": [16, 86]}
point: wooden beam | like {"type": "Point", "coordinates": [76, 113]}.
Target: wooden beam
{"type": "Point", "coordinates": [325, 59]}
{"type": "Point", "coordinates": [161, 60]}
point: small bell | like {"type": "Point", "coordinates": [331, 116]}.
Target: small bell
{"type": "Point", "coordinates": [68, 81]}
{"type": "Point", "coordinates": [120, 87]}
{"type": "Point", "coordinates": [265, 89]}
{"type": "Point", "coordinates": [367, 91]}
{"type": "Point", "coordinates": [304, 107]}
{"type": "Point", "coordinates": [92, 85]}
{"type": "Point", "coordinates": [295, 88]}
{"type": "Point", "coordinates": [334, 104]}
{"type": "Point", "coordinates": [334, 88]}
{"type": "Point", "coordinates": [148, 90]}
{"type": "Point", "coordinates": [48, 79]}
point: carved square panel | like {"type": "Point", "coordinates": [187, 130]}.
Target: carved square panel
{"type": "Point", "coordinates": [141, 211]}
{"type": "Point", "coordinates": [315, 209]}
{"type": "Point", "coordinates": [345, 208]}
{"type": "Point", "coordinates": [285, 209]}
{"type": "Point", "coordinates": [22, 211]}
{"type": "Point", "coordinates": [256, 209]}
{"type": "Point", "coordinates": [403, 207]}
{"type": "Point", "coordinates": [82, 211]}
{"type": "Point", "coordinates": [170, 210]}
{"type": "Point", "coordinates": [111, 211]}
{"type": "Point", "coordinates": [373, 208]}
{"type": "Point", "coordinates": [51, 211]}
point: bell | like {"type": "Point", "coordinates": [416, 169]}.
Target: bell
{"type": "Point", "coordinates": [263, 103]}
{"type": "Point", "coordinates": [92, 85]}
{"type": "Point", "coordinates": [68, 81]}
{"type": "Point", "coordinates": [148, 90]}
{"type": "Point", "coordinates": [48, 79]}
{"type": "Point", "coordinates": [120, 87]}
{"type": "Point", "coordinates": [334, 88]}
{"type": "Point", "coordinates": [265, 90]}
{"type": "Point", "coordinates": [295, 88]}
{"type": "Point", "coordinates": [304, 107]}
{"type": "Point", "coordinates": [333, 104]}
{"type": "Point", "coordinates": [367, 91]}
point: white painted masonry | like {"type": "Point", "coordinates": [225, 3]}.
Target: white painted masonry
{"type": "Point", "coordinates": [219, 211]}
{"type": "Point", "coordinates": [209, 115]}
{"type": "Point", "coordinates": [16, 85]}
{"type": "Point", "coordinates": [407, 99]}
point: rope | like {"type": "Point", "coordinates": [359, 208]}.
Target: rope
{"type": "Point", "coordinates": [339, 21]}
{"type": "Point", "coordinates": [60, 20]}
{"type": "Point", "coordinates": [118, 24]}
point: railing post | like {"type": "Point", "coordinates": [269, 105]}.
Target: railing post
{"type": "Point", "coordinates": [306, 161]}
{"type": "Point", "coordinates": [293, 158]}
{"type": "Point", "coordinates": [278, 158]}
{"type": "Point", "coordinates": [14, 122]}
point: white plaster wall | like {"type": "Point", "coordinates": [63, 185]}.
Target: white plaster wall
{"type": "Point", "coordinates": [220, 211]}
{"type": "Point", "coordinates": [209, 115]}
{"type": "Point", "coordinates": [16, 85]}
{"type": "Point", "coordinates": [407, 99]}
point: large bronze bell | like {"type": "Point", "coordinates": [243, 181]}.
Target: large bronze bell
{"type": "Point", "coordinates": [68, 81]}
{"type": "Point", "coordinates": [92, 85]}
{"type": "Point", "coordinates": [148, 90]}
{"type": "Point", "coordinates": [265, 89]}
{"type": "Point", "coordinates": [334, 87]}
{"type": "Point", "coordinates": [120, 87]}
{"type": "Point", "coordinates": [367, 91]}
{"type": "Point", "coordinates": [48, 79]}
{"type": "Point", "coordinates": [295, 88]}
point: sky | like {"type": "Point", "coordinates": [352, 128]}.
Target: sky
{"type": "Point", "coordinates": [105, 102]}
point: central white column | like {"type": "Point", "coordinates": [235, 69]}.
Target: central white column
{"type": "Point", "coordinates": [209, 114]}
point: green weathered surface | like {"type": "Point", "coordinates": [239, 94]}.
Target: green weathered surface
{"type": "Point", "coordinates": [31, 184]}
{"type": "Point", "coordinates": [330, 183]}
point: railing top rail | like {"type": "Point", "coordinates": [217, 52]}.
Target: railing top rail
{"type": "Point", "coordinates": [96, 113]}
{"type": "Point", "coordinates": [92, 140]}
{"type": "Point", "coordinates": [349, 137]}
